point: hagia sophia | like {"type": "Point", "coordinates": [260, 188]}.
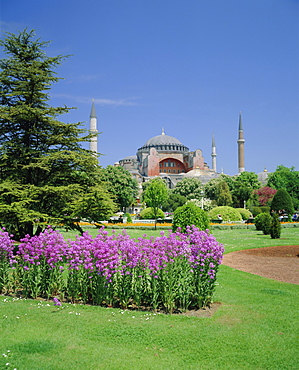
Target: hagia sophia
{"type": "Point", "coordinates": [167, 157]}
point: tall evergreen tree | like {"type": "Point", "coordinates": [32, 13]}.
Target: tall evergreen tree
{"type": "Point", "coordinates": [43, 168]}
{"type": "Point", "coordinates": [288, 179]}
{"type": "Point", "coordinates": [282, 201]}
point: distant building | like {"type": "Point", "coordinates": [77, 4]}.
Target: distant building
{"type": "Point", "coordinates": [263, 176]}
{"type": "Point", "coordinates": [167, 157]}
{"type": "Point", "coordinates": [93, 144]}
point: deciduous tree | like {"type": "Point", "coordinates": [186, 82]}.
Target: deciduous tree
{"type": "Point", "coordinates": [224, 195]}
{"type": "Point", "coordinates": [121, 185]}
{"type": "Point", "coordinates": [265, 195]}
{"type": "Point", "coordinates": [190, 188]}
{"type": "Point", "coordinates": [244, 185]}
{"type": "Point", "coordinates": [173, 202]}
{"type": "Point", "coordinates": [155, 194]}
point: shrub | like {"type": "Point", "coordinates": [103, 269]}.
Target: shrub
{"type": "Point", "coordinates": [128, 216]}
{"type": "Point", "coordinates": [148, 214]}
{"type": "Point", "coordinates": [257, 210]}
{"type": "Point", "coordinates": [227, 213]}
{"type": "Point", "coordinates": [189, 215]}
{"type": "Point", "coordinates": [258, 221]}
{"type": "Point", "coordinates": [245, 213]}
{"type": "Point", "coordinates": [275, 227]}
{"type": "Point", "coordinates": [282, 201]}
{"type": "Point", "coordinates": [263, 222]}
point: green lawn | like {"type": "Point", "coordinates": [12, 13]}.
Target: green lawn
{"type": "Point", "coordinates": [256, 326]}
{"type": "Point", "coordinates": [233, 240]}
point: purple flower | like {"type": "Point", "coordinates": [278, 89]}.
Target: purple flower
{"type": "Point", "coordinates": [56, 302]}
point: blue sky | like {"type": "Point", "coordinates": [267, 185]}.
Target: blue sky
{"type": "Point", "coordinates": [189, 66]}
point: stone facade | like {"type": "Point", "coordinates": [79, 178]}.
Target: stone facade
{"type": "Point", "coordinates": [167, 157]}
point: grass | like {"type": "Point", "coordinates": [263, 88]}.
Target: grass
{"type": "Point", "coordinates": [256, 327]}
{"type": "Point", "coordinates": [233, 240]}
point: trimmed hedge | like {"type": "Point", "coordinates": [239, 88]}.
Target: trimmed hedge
{"type": "Point", "coordinates": [148, 214]}
{"type": "Point", "coordinates": [189, 215]}
{"type": "Point", "coordinates": [245, 213]}
{"type": "Point", "coordinates": [227, 213]}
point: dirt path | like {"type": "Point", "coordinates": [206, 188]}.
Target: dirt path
{"type": "Point", "coordinates": [279, 263]}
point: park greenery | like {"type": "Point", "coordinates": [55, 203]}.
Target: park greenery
{"type": "Point", "coordinates": [256, 325]}
{"type": "Point", "coordinates": [173, 201]}
{"type": "Point", "coordinates": [275, 227]}
{"type": "Point", "coordinates": [227, 213]}
{"type": "Point", "coordinates": [282, 201]}
{"type": "Point", "coordinates": [245, 213]}
{"type": "Point", "coordinates": [190, 214]}
{"type": "Point", "coordinates": [173, 272]}
{"type": "Point", "coordinates": [287, 179]}
{"type": "Point", "coordinates": [154, 195]}
{"type": "Point", "coordinates": [46, 176]}
{"type": "Point", "coordinates": [264, 195]}
{"type": "Point", "coordinates": [263, 222]}
{"type": "Point", "coordinates": [191, 188]}
{"type": "Point", "coordinates": [148, 214]}
{"type": "Point", "coordinates": [121, 185]}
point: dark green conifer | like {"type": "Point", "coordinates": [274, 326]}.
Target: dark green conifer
{"type": "Point", "coordinates": [44, 171]}
{"type": "Point", "coordinates": [282, 201]}
{"type": "Point", "coordinates": [275, 228]}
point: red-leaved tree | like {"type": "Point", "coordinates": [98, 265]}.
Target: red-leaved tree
{"type": "Point", "coordinates": [265, 195]}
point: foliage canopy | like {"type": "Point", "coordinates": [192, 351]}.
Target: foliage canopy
{"type": "Point", "coordinates": [121, 185]}
{"type": "Point", "coordinates": [263, 222]}
{"type": "Point", "coordinates": [191, 188]}
{"type": "Point", "coordinates": [288, 179]}
{"type": "Point", "coordinates": [189, 215]}
{"type": "Point", "coordinates": [155, 194]}
{"type": "Point", "coordinates": [173, 201]}
{"type": "Point", "coordinates": [227, 213]}
{"type": "Point", "coordinates": [148, 214]}
{"type": "Point", "coordinates": [282, 201]}
{"type": "Point", "coordinates": [44, 170]}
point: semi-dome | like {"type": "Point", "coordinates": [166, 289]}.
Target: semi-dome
{"type": "Point", "coordinates": [130, 157]}
{"type": "Point", "coordinates": [164, 142]}
{"type": "Point", "coordinates": [196, 172]}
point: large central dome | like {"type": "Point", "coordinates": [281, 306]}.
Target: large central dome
{"type": "Point", "coordinates": [164, 142]}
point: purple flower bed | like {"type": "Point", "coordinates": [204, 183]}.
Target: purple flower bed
{"type": "Point", "coordinates": [172, 272]}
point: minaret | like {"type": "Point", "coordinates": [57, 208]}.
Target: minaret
{"type": "Point", "coordinates": [241, 142]}
{"type": "Point", "coordinates": [93, 144]}
{"type": "Point", "coordinates": [213, 154]}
